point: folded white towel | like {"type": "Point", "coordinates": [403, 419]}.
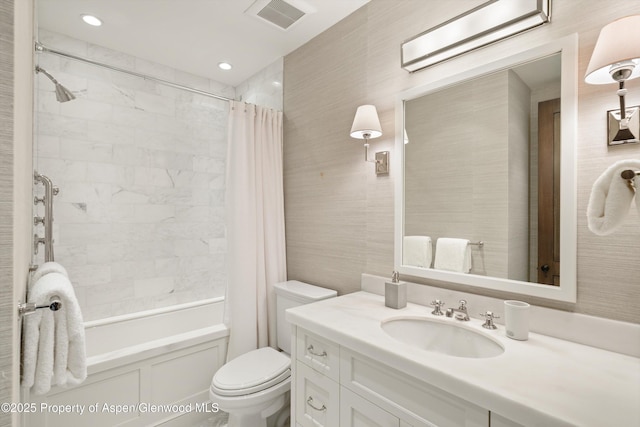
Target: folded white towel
{"type": "Point", "coordinates": [453, 255]}
{"type": "Point", "coordinates": [46, 268]}
{"type": "Point", "coordinates": [53, 342]}
{"type": "Point", "coordinates": [611, 198]}
{"type": "Point", "coordinates": [417, 251]}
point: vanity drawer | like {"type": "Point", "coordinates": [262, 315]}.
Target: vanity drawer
{"type": "Point", "coordinates": [319, 354]}
{"type": "Point", "coordinates": [358, 412]}
{"type": "Point", "coordinates": [388, 388]}
{"type": "Point", "coordinates": [317, 398]}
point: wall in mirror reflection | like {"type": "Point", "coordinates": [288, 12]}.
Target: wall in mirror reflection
{"type": "Point", "coordinates": [471, 166]}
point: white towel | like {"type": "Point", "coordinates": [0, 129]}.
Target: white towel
{"type": "Point", "coordinates": [417, 251]}
{"type": "Point", "coordinates": [53, 350]}
{"type": "Point", "coordinates": [46, 268]}
{"type": "Point", "coordinates": [453, 255]}
{"type": "Point", "coordinates": [611, 198]}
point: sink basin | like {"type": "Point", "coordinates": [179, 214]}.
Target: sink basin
{"type": "Point", "coordinates": [442, 336]}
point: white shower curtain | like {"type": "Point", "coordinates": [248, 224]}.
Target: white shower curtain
{"type": "Point", "coordinates": [256, 256]}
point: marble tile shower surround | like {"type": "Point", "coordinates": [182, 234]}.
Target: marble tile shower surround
{"type": "Point", "coordinates": [139, 221]}
{"type": "Point", "coordinates": [265, 87]}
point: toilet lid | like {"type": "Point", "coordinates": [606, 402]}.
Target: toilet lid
{"type": "Point", "coordinates": [252, 372]}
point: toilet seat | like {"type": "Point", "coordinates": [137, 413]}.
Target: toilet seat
{"type": "Point", "coordinates": [252, 372]}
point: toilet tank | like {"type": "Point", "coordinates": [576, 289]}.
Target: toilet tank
{"type": "Point", "coordinates": [293, 293]}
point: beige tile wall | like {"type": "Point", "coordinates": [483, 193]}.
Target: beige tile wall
{"type": "Point", "coordinates": [340, 215]}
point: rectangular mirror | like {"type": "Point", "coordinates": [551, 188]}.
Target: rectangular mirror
{"type": "Point", "coordinates": [488, 155]}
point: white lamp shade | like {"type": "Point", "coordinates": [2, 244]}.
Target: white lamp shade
{"type": "Point", "coordinates": [618, 41]}
{"type": "Point", "coordinates": [366, 122]}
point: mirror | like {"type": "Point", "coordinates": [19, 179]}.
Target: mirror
{"type": "Point", "coordinates": [479, 163]}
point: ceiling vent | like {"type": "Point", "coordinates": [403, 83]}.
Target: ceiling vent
{"type": "Point", "coordinates": [277, 12]}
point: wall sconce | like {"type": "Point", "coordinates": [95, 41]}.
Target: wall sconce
{"type": "Point", "coordinates": [616, 58]}
{"type": "Point", "coordinates": [366, 125]}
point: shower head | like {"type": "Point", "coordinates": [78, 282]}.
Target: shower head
{"type": "Point", "coordinates": [62, 93]}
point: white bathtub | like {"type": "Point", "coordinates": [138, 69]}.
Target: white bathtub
{"type": "Point", "coordinates": [123, 339]}
{"type": "Point", "coordinates": [164, 357]}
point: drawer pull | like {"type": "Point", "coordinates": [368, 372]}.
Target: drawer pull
{"type": "Point", "coordinates": [310, 403]}
{"type": "Point", "coordinates": [310, 349]}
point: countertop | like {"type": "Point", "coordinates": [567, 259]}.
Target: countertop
{"type": "Point", "coordinates": [541, 381]}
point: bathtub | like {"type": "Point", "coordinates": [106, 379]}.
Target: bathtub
{"type": "Point", "coordinates": [147, 368]}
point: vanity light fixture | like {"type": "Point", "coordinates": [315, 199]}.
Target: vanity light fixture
{"type": "Point", "coordinates": [616, 58]}
{"type": "Point", "coordinates": [366, 125]}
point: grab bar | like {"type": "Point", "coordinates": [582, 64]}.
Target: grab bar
{"type": "Point", "coordinates": [47, 220]}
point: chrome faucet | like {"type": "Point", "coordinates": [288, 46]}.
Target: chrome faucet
{"type": "Point", "coordinates": [438, 305]}
{"type": "Point", "coordinates": [459, 313]}
{"type": "Point", "coordinates": [488, 322]}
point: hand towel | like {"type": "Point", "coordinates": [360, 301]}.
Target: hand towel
{"type": "Point", "coordinates": [611, 198]}
{"type": "Point", "coordinates": [54, 350]}
{"type": "Point", "coordinates": [417, 251]}
{"type": "Point", "coordinates": [453, 255]}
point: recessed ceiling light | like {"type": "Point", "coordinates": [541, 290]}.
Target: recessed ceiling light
{"type": "Point", "coordinates": [225, 66]}
{"type": "Point", "coordinates": [92, 20]}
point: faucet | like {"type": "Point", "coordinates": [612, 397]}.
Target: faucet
{"type": "Point", "coordinates": [488, 322]}
{"type": "Point", "coordinates": [459, 313]}
{"type": "Point", "coordinates": [438, 305]}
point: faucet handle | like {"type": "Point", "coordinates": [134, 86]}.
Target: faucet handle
{"type": "Point", "coordinates": [438, 305]}
{"type": "Point", "coordinates": [488, 322]}
{"type": "Point", "coordinates": [463, 304]}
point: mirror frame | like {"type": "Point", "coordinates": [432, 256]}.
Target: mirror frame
{"type": "Point", "coordinates": [567, 291]}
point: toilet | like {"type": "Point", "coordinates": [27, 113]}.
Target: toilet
{"type": "Point", "coordinates": [256, 385]}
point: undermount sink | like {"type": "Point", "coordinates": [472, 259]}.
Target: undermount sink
{"type": "Point", "coordinates": [441, 336]}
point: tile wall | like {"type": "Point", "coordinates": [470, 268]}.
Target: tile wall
{"type": "Point", "coordinates": [139, 221]}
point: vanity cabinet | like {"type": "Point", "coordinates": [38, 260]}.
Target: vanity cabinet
{"type": "Point", "coordinates": [335, 386]}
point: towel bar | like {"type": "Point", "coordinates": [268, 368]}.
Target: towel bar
{"type": "Point", "coordinates": [47, 219]}
{"type": "Point", "coordinates": [479, 244]}
{"type": "Point", "coordinates": [31, 307]}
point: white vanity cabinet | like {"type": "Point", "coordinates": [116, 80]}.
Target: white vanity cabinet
{"type": "Point", "coordinates": [334, 386]}
{"type": "Point", "coordinates": [316, 380]}
{"type": "Point", "coordinates": [348, 371]}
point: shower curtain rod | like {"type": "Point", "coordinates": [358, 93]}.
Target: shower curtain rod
{"type": "Point", "coordinates": [39, 47]}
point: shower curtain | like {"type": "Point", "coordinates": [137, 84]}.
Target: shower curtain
{"type": "Point", "coordinates": [256, 256]}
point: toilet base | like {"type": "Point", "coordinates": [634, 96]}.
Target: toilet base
{"type": "Point", "coordinates": [251, 418]}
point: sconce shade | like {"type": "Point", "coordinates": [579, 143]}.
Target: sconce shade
{"type": "Point", "coordinates": [618, 42]}
{"type": "Point", "coordinates": [366, 123]}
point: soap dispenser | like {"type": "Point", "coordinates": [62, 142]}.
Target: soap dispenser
{"type": "Point", "coordinates": [395, 292]}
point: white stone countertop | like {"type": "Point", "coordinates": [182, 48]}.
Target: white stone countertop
{"type": "Point", "coordinates": [543, 381]}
